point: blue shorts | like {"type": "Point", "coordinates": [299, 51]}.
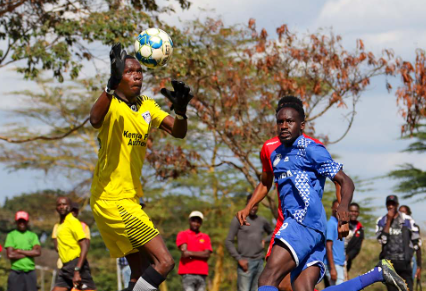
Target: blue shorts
{"type": "Point", "coordinates": [306, 245]}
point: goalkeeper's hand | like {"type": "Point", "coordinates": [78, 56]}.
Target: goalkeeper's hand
{"type": "Point", "coordinates": [117, 57]}
{"type": "Point", "coordinates": [180, 97]}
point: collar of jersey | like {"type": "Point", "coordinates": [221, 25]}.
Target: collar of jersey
{"type": "Point", "coordinates": [294, 143]}
{"type": "Point", "coordinates": [127, 103]}
{"type": "Point", "coordinates": [68, 216]}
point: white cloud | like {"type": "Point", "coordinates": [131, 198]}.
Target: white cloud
{"type": "Point", "coordinates": [381, 23]}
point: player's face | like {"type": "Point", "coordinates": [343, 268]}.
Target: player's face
{"type": "Point", "coordinates": [353, 213]}
{"type": "Point", "coordinates": [131, 84]}
{"type": "Point", "coordinates": [195, 223]}
{"type": "Point", "coordinates": [63, 206]}
{"type": "Point", "coordinates": [22, 225]}
{"type": "Point", "coordinates": [289, 125]}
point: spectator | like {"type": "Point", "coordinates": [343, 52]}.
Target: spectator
{"type": "Point", "coordinates": [75, 210]}
{"type": "Point", "coordinates": [195, 250]}
{"type": "Point", "coordinates": [125, 269]}
{"type": "Point", "coordinates": [72, 248]}
{"type": "Point", "coordinates": [21, 247]}
{"type": "Point", "coordinates": [335, 248]}
{"type": "Point", "coordinates": [399, 236]}
{"type": "Point", "coordinates": [249, 253]}
{"type": "Point", "coordinates": [353, 241]}
{"type": "Point", "coordinates": [416, 268]}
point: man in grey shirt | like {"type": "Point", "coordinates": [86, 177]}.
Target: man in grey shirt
{"type": "Point", "coordinates": [250, 248]}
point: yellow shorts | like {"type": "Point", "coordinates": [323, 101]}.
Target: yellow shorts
{"type": "Point", "coordinates": [123, 225]}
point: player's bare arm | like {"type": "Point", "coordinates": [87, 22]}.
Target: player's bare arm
{"type": "Point", "coordinates": [259, 193]}
{"type": "Point", "coordinates": [100, 108]}
{"type": "Point", "coordinates": [189, 254]}
{"type": "Point", "coordinates": [346, 193]}
{"type": "Point", "coordinates": [174, 126]}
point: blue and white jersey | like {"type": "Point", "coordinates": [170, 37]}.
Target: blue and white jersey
{"type": "Point", "coordinates": [300, 172]}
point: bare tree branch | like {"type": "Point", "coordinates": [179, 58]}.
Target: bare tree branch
{"type": "Point", "coordinates": [42, 137]}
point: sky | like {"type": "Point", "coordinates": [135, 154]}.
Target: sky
{"type": "Point", "coordinates": [373, 146]}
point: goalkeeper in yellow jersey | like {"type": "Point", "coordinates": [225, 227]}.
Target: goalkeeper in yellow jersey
{"type": "Point", "coordinates": [124, 119]}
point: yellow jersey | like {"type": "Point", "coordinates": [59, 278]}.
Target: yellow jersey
{"type": "Point", "coordinates": [86, 230]}
{"type": "Point", "coordinates": [68, 234]}
{"type": "Point", "coordinates": [122, 139]}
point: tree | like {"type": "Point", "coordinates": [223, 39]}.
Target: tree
{"type": "Point", "coordinates": [412, 180]}
{"type": "Point", "coordinates": [411, 96]}
{"type": "Point", "coordinates": [56, 35]}
{"type": "Point", "coordinates": [238, 75]}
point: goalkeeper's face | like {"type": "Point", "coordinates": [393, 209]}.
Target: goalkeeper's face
{"type": "Point", "coordinates": [131, 83]}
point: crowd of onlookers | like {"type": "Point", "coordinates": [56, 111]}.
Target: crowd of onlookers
{"type": "Point", "coordinates": [396, 231]}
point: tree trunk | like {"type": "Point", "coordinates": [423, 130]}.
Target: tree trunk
{"type": "Point", "coordinates": [218, 268]}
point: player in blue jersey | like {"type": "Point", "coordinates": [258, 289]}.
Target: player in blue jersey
{"type": "Point", "coordinates": [299, 169]}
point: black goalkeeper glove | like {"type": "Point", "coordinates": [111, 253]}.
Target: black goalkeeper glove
{"type": "Point", "coordinates": [180, 97]}
{"type": "Point", "coordinates": [117, 57]}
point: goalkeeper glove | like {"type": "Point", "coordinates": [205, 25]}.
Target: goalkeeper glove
{"type": "Point", "coordinates": [180, 97]}
{"type": "Point", "coordinates": [117, 57]}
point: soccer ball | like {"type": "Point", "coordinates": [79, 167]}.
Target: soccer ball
{"type": "Point", "coordinates": [153, 48]}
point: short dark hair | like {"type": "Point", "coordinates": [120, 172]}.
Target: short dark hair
{"type": "Point", "coordinates": [354, 204]}
{"type": "Point", "coordinates": [334, 201]}
{"type": "Point", "coordinates": [291, 102]}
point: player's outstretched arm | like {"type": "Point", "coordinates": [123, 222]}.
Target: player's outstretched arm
{"type": "Point", "coordinates": [174, 126]}
{"type": "Point", "coordinates": [180, 98]}
{"type": "Point", "coordinates": [100, 108]}
{"type": "Point", "coordinates": [259, 193]}
{"type": "Point", "coordinates": [347, 188]}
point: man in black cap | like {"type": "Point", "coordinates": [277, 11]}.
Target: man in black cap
{"type": "Point", "coordinates": [399, 236]}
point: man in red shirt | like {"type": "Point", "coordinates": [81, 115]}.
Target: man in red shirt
{"type": "Point", "coordinates": [196, 249]}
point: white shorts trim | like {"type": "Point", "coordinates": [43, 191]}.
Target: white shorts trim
{"type": "Point", "coordinates": [293, 253]}
{"type": "Point", "coordinates": [322, 274]}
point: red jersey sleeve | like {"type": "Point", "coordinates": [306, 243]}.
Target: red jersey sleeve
{"type": "Point", "coordinates": [181, 239]}
{"type": "Point", "coordinates": [265, 159]}
{"type": "Point", "coordinates": [208, 244]}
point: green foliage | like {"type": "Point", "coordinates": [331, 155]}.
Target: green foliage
{"type": "Point", "coordinates": [412, 180]}
{"type": "Point", "coordinates": [56, 35]}
{"type": "Point", "coordinates": [4, 271]}
{"type": "Point", "coordinates": [41, 218]}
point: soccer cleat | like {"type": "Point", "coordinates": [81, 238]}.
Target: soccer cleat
{"type": "Point", "coordinates": [390, 277]}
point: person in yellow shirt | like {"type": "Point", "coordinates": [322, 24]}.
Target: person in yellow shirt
{"type": "Point", "coordinates": [124, 119]}
{"type": "Point", "coordinates": [73, 247]}
{"type": "Point", "coordinates": [75, 209]}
